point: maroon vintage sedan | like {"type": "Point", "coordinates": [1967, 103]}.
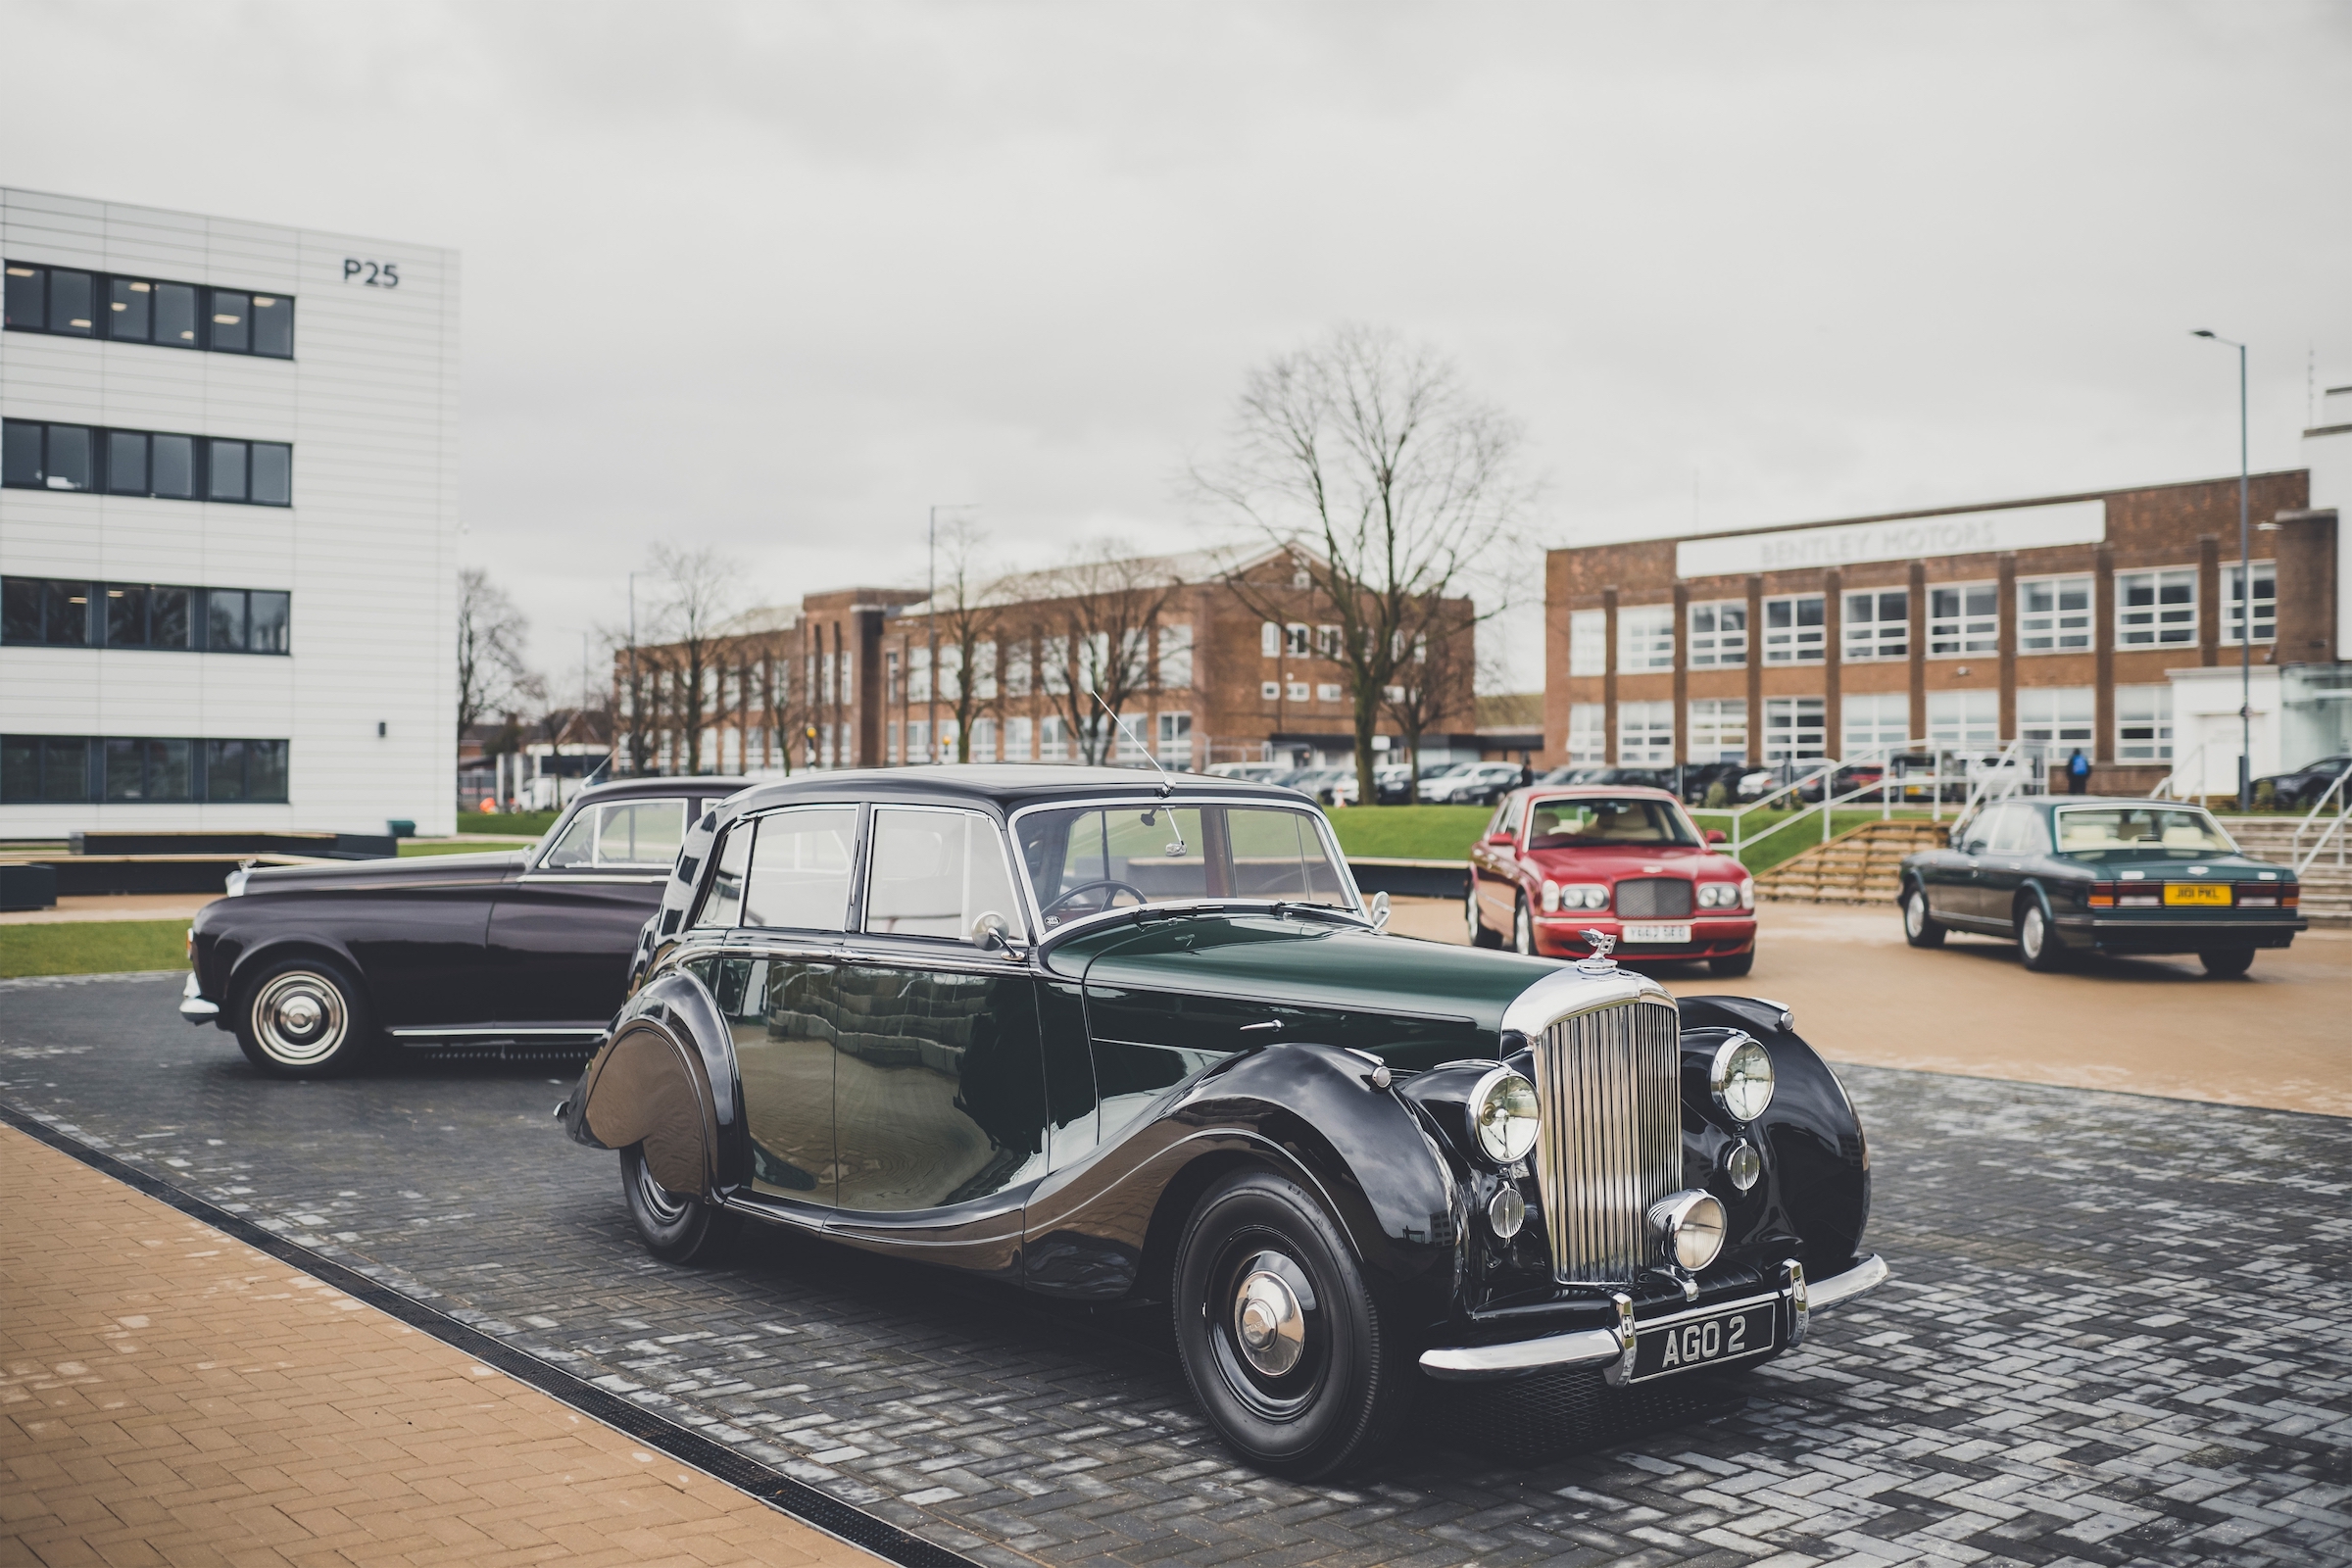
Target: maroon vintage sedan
{"type": "Point", "coordinates": [1557, 863]}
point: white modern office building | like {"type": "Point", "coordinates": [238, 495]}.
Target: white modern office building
{"type": "Point", "coordinates": [227, 524]}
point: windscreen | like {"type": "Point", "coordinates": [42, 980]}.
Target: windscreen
{"type": "Point", "coordinates": [2140, 829]}
{"type": "Point", "coordinates": [1085, 860]}
{"type": "Point", "coordinates": [1563, 822]}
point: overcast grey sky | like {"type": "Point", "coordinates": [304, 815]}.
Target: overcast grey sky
{"type": "Point", "coordinates": [778, 277]}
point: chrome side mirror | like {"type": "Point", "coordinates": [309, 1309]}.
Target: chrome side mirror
{"type": "Point", "coordinates": [1380, 911]}
{"type": "Point", "coordinates": [991, 933]}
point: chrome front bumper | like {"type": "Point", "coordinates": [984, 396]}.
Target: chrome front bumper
{"type": "Point", "coordinates": [1612, 1348]}
{"type": "Point", "coordinates": [194, 1007]}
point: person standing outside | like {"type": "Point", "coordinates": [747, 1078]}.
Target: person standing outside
{"type": "Point", "coordinates": [2078, 772]}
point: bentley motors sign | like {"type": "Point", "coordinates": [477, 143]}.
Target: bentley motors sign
{"type": "Point", "coordinates": [1949, 533]}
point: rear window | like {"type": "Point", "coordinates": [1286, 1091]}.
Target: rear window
{"type": "Point", "coordinates": [1564, 823]}
{"type": "Point", "coordinates": [2140, 830]}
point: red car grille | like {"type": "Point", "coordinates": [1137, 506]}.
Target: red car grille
{"type": "Point", "coordinates": [1653, 898]}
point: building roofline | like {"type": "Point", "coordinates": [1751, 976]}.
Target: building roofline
{"type": "Point", "coordinates": [1944, 512]}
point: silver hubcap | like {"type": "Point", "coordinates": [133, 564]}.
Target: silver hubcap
{"type": "Point", "coordinates": [656, 1198]}
{"type": "Point", "coordinates": [1268, 1323]}
{"type": "Point", "coordinates": [1914, 915]}
{"type": "Point", "coordinates": [300, 1019]}
{"type": "Point", "coordinates": [2034, 932]}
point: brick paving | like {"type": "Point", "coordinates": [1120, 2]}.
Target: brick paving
{"type": "Point", "coordinates": [2116, 1336]}
{"type": "Point", "coordinates": [167, 1395]}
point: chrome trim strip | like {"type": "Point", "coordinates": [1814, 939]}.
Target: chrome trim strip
{"type": "Point", "coordinates": [1565, 993]}
{"type": "Point", "coordinates": [1793, 1285]}
{"type": "Point", "coordinates": [469, 1031]}
{"type": "Point", "coordinates": [1840, 1288]}
{"type": "Point", "coordinates": [1472, 1363]}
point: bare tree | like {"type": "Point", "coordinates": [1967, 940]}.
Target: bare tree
{"type": "Point", "coordinates": [1387, 485]}
{"type": "Point", "coordinates": [492, 676]}
{"type": "Point", "coordinates": [636, 715]}
{"type": "Point", "coordinates": [963, 613]}
{"type": "Point", "coordinates": [1438, 675]}
{"type": "Point", "coordinates": [697, 590]}
{"type": "Point", "coordinates": [1094, 634]}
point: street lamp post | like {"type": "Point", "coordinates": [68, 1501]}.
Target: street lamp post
{"type": "Point", "coordinates": [2245, 594]}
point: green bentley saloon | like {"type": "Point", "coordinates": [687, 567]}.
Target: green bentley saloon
{"type": "Point", "coordinates": [1109, 1037]}
{"type": "Point", "coordinates": [2081, 874]}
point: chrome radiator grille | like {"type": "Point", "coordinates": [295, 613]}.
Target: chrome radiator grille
{"type": "Point", "coordinates": [1609, 1084]}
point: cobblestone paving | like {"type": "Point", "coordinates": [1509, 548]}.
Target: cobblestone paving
{"type": "Point", "coordinates": [2117, 1334]}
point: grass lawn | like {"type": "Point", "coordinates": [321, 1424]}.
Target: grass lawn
{"type": "Point", "coordinates": [92, 947]}
{"type": "Point", "coordinates": [514, 825]}
{"type": "Point", "coordinates": [1410, 832]}
{"type": "Point", "coordinates": [488, 846]}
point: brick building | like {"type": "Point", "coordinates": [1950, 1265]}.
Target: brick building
{"type": "Point", "coordinates": [2072, 621]}
{"type": "Point", "coordinates": [1204, 671]}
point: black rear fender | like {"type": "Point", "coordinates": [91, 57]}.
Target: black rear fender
{"type": "Point", "coordinates": [666, 1078]}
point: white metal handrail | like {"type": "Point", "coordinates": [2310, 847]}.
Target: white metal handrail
{"type": "Point", "coordinates": [2334, 829]}
{"type": "Point", "coordinates": [1887, 787]}
{"type": "Point", "coordinates": [2165, 789]}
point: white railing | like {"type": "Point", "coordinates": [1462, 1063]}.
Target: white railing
{"type": "Point", "coordinates": [2190, 766]}
{"type": "Point", "coordinates": [2019, 768]}
{"type": "Point", "coordinates": [2332, 829]}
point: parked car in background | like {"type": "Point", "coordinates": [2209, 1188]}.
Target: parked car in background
{"type": "Point", "coordinates": [2090, 874]}
{"type": "Point", "coordinates": [1477, 784]}
{"type": "Point", "coordinates": [314, 966]}
{"type": "Point", "coordinates": [1572, 773]}
{"type": "Point", "coordinates": [1558, 864]}
{"type": "Point", "coordinates": [1859, 776]}
{"type": "Point", "coordinates": [1441, 771]}
{"type": "Point", "coordinates": [1700, 778]}
{"type": "Point", "coordinates": [2302, 789]}
{"type": "Point", "coordinates": [1256, 773]}
{"type": "Point", "coordinates": [1108, 1039]}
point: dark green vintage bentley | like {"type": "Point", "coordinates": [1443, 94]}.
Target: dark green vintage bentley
{"type": "Point", "coordinates": [2089, 874]}
{"type": "Point", "coordinates": [1101, 1037]}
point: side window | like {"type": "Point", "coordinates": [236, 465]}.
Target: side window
{"type": "Point", "coordinates": [1977, 839]}
{"type": "Point", "coordinates": [936, 873]}
{"type": "Point", "coordinates": [723, 902]}
{"type": "Point", "coordinates": [800, 869]}
{"type": "Point", "coordinates": [2019, 832]}
{"type": "Point", "coordinates": [640, 833]}
{"type": "Point", "coordinates": [577, 847]}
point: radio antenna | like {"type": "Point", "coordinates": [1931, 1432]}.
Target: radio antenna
{"type": "Point", "coordinates": [1167, 786]}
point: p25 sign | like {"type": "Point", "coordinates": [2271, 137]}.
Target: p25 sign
{"type": "Point", "coordinates": [370, 274]}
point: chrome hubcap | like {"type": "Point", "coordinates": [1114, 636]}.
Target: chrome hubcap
{"type": "Point", "coordinates": [1912, 910]}
{"type": "Point", "coordinates": [1269, 1322]}
{"type": "Point", "coordinates": [300, 1019]}
{"type": "Point", "coordinates": [656, 1198]}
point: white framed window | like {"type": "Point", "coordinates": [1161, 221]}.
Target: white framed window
{"type": "Point", "coordinates": [1176, 740]}
{"type": "Point", "coordinates": [1269, 690]}
{"type": "Point", "coordinates": [2266, 601]}
{"type": "Point", "coordinates": [1327, 642]}
{"type": "Point", "coordinates": [1327, 692]}
{"type": "Point", "coordinates": [2156, 609]}
{"type": "Point", "coordinates": [1018, 661]}
{"type": "Point", "coordinates": [1587, 641]}
{"type": "Point", "coordinates": [1176, 658]}
{"type": "Point", "coordinates": [2053, 614]}
{"type": "Point", "coordinates": [1719, 634]}
{"type": "Point", "coordinates": [984, 740]}
{"type": "Point", "coordinates": [1719, 728]}
{"type": "Point", "coordinates": [1794, 632]}
{"type": "Point", "coordinates": [1588, 733]}
{"type": "Point", "coordinates": [1645, 637]}
{"type": "Point", "coordinates": [2143, 723]}
{"type": "Point", "coordinates": [1963, 618]}
{"type": "Point", "coordinates": [1297, 691]}
{"type": "Point", "coordinates": [1795, 728]}
{"type": "Point", "coordinates": [1019, 740]}
{"type": "Point", "coordinates": [918, 673]}
{"type": "Point", "coordinates": [1301, 639]}
{"type": "Point", "coordinates": [918, 742]}
{"type": "Point", "coordinates": [1053, 739]}
{"type": "Point", "coordinates": [1876, 723]}
{"type": "Point", "coordinates": [1269, 640]}
{"type": "Point", "coordinates": [1965, 721]}
{"type": "Point", "coordinates": [2060, 719]}
{"type": "Point", "coordinates": [1646, 731]}
{"type": "Point", "coordinates": [1877, 624]}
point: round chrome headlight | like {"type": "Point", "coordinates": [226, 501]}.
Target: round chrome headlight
{"type": "Point", "coordinates": [1691, 1226]}
{"type": "Point", "coordinates": [1503, 1116]}
{"type": "Point", "coordinates": [1742, 1077]}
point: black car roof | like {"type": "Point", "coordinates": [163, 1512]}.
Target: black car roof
{"type": "Point", "coordinates": [1005, 786]}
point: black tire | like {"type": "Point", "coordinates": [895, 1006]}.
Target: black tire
{"type": "Point", "coordinates": [304, 1016]}
{"type": "Point", "coordinates": [1257, 1235]}
{"type": "Point", "coordinates": [2038, 941]}
{"type": "Point", "coordinates": [1476, 922]}
{"type": "Point", "coordinates": [2227, 964]}
{"type": "Point", "coordinates": [1733, 967]}
{"type": "Point", "coordinates": [1523, 928]}
{"type": "Point", "coordinates": [1918, 926]}
{"type": "Point", "coordinates": [674, 1227]}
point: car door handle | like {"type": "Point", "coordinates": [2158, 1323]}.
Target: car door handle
{"type": "Point", "coordinates": [1251, 1028]}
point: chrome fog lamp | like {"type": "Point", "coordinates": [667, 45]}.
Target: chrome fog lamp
{"type": "Point", "coordinates": [1503, 1116]}
{"type": "Point", "coordinates": [1689, 1224]}
{"type": "Point", "coordinates": [1506, 1211]}
{"type": "Point", "coordinates": [1742, 1077]}
{"type": "Point", "coordinates": [1743, 1165]}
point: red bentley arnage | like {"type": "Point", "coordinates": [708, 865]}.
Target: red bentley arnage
{"type": "Point", "coordinates": [1557, 863]}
